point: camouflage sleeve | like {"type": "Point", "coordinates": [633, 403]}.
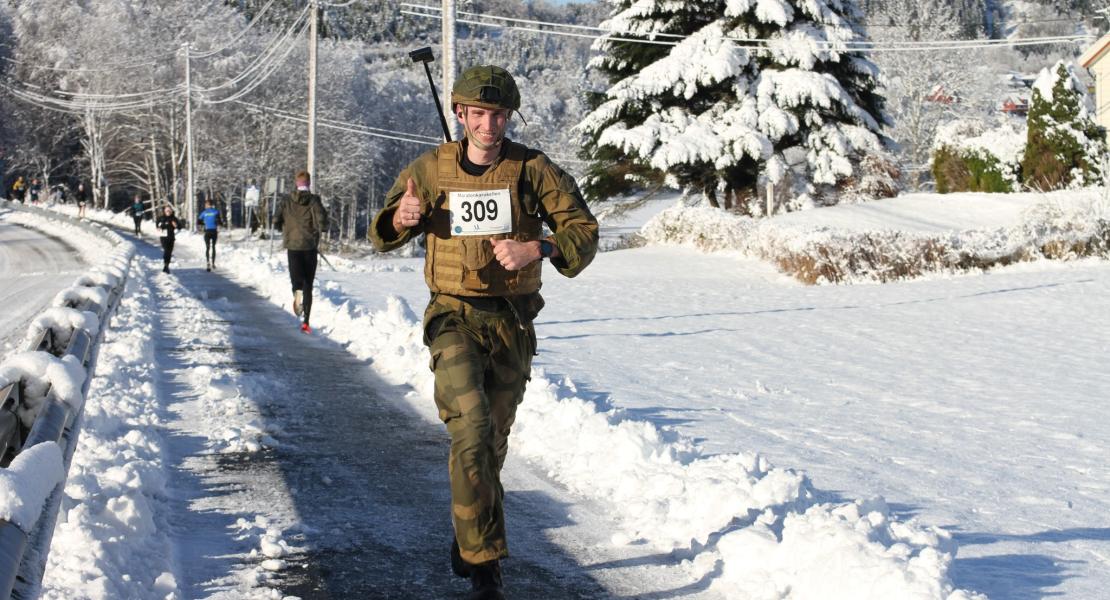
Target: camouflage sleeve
{"type": "Point", "coordinates": [574, 228]}
{"type": "Point", "coordinates": [381, 233]}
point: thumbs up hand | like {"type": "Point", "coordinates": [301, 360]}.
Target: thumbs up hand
{"type": "Point", "coordinates": [408, 209]}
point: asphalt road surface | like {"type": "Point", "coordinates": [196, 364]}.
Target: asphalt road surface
{"type": "Point", "coordinates": [34, 267]}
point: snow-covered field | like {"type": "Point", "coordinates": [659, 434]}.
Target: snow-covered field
{"type": "Point", "coordinates": [741, 427]}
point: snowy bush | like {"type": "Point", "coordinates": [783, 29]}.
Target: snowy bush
{"type": "Point", "coordinates": [970, 156]}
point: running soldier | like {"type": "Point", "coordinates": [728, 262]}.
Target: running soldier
{"type": "Point", "coordinates": [482, 202]}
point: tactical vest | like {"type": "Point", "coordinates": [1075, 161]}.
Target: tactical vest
{"type": "Point", "coordinates": [465, 265]}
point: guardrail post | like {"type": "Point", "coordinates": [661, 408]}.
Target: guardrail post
{"type": "Point", "coordinates": [12, 432]}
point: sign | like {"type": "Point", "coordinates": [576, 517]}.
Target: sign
{"type": "Point", "coordinates": [481, 213]}
{"type": "Point", "coordinates": [250, 198]}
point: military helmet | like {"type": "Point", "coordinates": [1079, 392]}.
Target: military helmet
{"type": "Point", "coordinates": [486, 86]}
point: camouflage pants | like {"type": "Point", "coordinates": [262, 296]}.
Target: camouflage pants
{"type": "Point", "coordinates": [481, 360]}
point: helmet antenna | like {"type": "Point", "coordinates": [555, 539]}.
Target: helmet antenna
{"type": "Point", "coordinates": [424, 55]}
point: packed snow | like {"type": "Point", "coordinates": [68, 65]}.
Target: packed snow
{"type": "Point", "coordinates": [43, 375]}
{"type": "Point", "coordinates": [28, 481]}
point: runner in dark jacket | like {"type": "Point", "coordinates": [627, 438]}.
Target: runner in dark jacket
{"type": "Point", "coordinates": [302, 220]}
{"type": "Point", "coordinates": [83, 196]}
{"type": "Point", "coordinates": [137, 210]}
{"type": "Point", "coordinates": [167, 225]}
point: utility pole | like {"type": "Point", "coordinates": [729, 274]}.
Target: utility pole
{"type": "Point", "coordinates": [190, 197]}
{"type": "Point", "coordinates": [450, 57]}
{"type": "Point", "coordinates": [313, 16]}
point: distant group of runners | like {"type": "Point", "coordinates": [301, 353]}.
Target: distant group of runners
{"type": "Point", "coordinates": [35, 192]}
{"type": "Point", "coordinates": [301, 217]}
{"type": "Point", "coordinates": [168, 224]}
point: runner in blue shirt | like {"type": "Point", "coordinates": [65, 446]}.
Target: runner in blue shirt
{"type": "Point", "coordinates": [210, 218]}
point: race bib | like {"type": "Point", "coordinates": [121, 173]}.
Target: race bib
{"type": "Point", "coordinates": [481, 213]}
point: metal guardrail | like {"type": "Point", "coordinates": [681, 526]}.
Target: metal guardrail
{"type": "Point", "coordinates": [12, 435]}
{"type": "Point", "coordinates": [20, 571]}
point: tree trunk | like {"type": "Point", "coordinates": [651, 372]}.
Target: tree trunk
{"type": "Point", "coordinates": [711, 195]}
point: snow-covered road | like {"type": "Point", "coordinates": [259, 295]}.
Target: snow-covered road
{"type": "Point", "coordinates": [33, 268]}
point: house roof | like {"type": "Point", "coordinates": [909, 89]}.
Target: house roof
{"type": "Point", "coordinates": [1095, 52]}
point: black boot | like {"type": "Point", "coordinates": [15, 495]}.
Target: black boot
{"type": "Point", "coordinates": [485, 579]}
{"type": "Point", "coordinates": [459, 566]}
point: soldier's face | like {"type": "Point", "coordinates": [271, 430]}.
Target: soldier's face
{"type": "Point", "coordinates": [485, 127]}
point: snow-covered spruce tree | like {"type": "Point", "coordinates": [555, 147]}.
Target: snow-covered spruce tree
{"type": "Point", "coordinates": [719, 113]}
{"type": "Point", "coordinates": [637, 28]}
{"type": "Point", "coordinates": [1064, 147]}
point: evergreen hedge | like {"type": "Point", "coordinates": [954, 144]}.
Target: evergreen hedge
{"type": "Point", "coordinates": [967, 170]}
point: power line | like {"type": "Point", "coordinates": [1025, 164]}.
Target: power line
{"type": "Point", "coordinates": [346, 126]}
{"type": "Point", "coordinates": [547, 31]}
{"type": "Point", "coordinates": [177, 89]}
{"type": "Point", "coordinates": [262, 77]}
{"type": "Point", "coordinates": [251, 24]}
{"type": "Point", "coordinates": [80, 102]}
{"type": "Point", "coordinates": [761, 43]}
{"type": "Point", "coordinates": [82, 107]}
{"type": "Point", "coordinates": [266, 64]}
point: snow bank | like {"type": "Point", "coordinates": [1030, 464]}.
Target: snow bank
{"type": "Point", "coordinates": [77, 295]}
{"type": "Point", "coordinates": [108, 525]}
{"type": "Point", "coordinates": [28, 481]}
{"type": "Point", "coordinates": [36, 471]}
{"type": "Point", "coordinates": [98, 278]}
{"type": "Point", "coordinates": [1060, 225]}
{"type": "Point", "coordinates": [63, 322]}
{"type": "Point", "coordinates": [849, 551]}
{"type": "Point", "coordinates": [43, 374]}
{"type": "Point", "coordinates": [668, 493]}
